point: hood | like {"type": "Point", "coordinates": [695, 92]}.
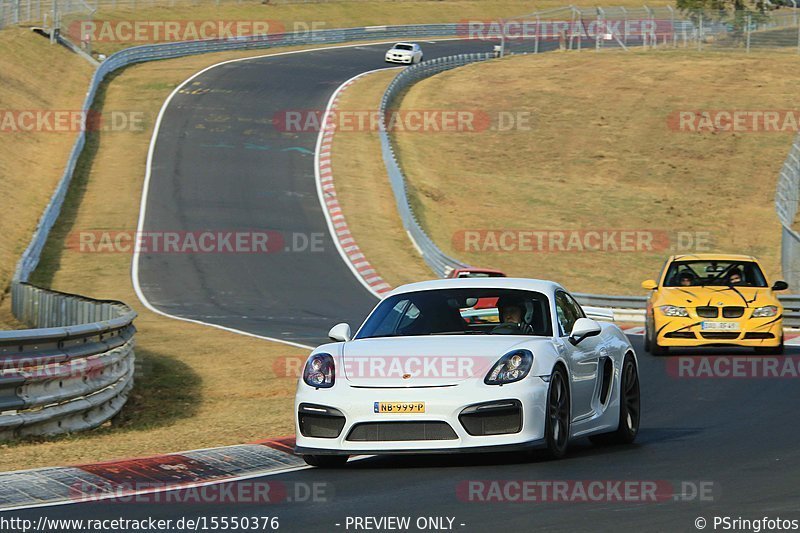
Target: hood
{"type": "Point", "coordinates": [425, 361]}
{"type": "Point", "coordinates": [717, 296]}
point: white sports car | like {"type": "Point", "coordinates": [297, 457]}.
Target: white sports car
{"type": "Point", "coordinates": [468, 365]}
{"type": "Point", "coordinates": [404, 53]}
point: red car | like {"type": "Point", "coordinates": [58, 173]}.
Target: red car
{"type": "Point", "coordinates": [483, 303]}
{"type": "Point", "coordinates": [471, 272]}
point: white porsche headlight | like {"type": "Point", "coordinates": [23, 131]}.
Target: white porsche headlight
{"type": "Point", "coordinates": [766, 311]}
{"type": "Point", "coordinates": [511, 367]}
{"type": "Point", "coordinates": [671, 310]}
{"type": "Point", "coordinates": [320, 372]}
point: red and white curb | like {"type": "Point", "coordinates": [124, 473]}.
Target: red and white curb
{"type": "Point", "coordinates": [125, 479]}
{"type": "Point", "coordinates": [337, 223]}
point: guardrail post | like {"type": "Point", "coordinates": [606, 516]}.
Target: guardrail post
{"type": "Point", "coordinates": [598, 22]}
{"type": "Point", "coordinates": [700, 34]}
{"type": "Point", "coordinates": [747, 34]}
{"type": "Point", "coordinates": [624, 25]}
{"type": "Point", "coordinates": [672, 26]}
{"type": "Point", "coordinates": [798, 38]}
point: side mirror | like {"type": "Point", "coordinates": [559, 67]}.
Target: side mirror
{"type": "Point", "coordinates": [649, 285]}
{"type": "Point", "coordinates": [780, 286]}
{"type": "Point", "coordinates": [583, 328]}
{"type": "Point", "coordinates": [340, 332]}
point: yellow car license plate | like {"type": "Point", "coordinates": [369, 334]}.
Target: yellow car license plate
{"type": "Point", "coordinates": [399, 407]}
{"type": "Point", "coordinates": [720, 326]}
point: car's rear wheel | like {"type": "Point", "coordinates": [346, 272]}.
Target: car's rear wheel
{"type": "Point", "coordinates": [559, 414]}
{"type": "Point", "coordinates": [629, 407]}
{"type": "Point", "coordinates": [326, 461]}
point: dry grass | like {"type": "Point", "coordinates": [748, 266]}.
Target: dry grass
{"type": "Point", "coordinates": [343, 14]}
{"type": "Point", "coordinates": [33, 76]}
{"type": "Point", "coordinates": [601, 156]}
{"type": "Point", "coordinates": [363, 189]}
{"type": "Point", "coordinates": [196, 386]}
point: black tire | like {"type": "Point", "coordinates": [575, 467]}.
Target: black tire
{"type": "Point", "coordinates": [559, 414]}
{"type": "Point", "coordinates": [326, 461]}
{"type": "Point", "coordinates": [629, 407]}
{"type": "Point", "coordinates": [772, 350]}
{"type": "Point", "coordinates": [650, 342]}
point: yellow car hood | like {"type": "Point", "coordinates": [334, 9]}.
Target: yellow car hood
{"type": "Point", "coordinates": [715, 296]}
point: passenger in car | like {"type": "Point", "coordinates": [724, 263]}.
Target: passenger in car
{"type": "Point", "coordinates": [735, 277]}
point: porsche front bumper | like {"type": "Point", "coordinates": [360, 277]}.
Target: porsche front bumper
{"type": "Point", "coordinates": [447, 425]}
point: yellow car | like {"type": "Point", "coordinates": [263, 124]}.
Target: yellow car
{"type": "Point", "coordinates": [713, 300]}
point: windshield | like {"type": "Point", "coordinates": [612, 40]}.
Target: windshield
{"type": "Point", "coordinates": [403, 47]}
{"type": "Point", "coordinates": [714, 273]}
{"type": "Point", "coordinates": [460, 312]}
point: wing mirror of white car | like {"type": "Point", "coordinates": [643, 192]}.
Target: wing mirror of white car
{"type": "Point", "coordinates": [340, 332]}
{"type": "Point", "coordinates": [583, 328]}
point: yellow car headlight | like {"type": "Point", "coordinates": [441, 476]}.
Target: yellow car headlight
{"type": "Point", "coordinates": [766, 311]}
{"type": "Point", "coordinates": [671, 310]}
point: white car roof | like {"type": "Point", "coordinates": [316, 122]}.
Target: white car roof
{"type": "Point", "coordinates": [526, 284]}
{"type": "Point", "coordinates": [407, 44]}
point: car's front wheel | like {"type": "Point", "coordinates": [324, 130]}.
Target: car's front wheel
{"type": "Point", "coordinates": [650, 340]}
{"type": "Point", "coordinates": [559, 414]}
{"type": "Point", "coordinates": [326, 461]}
{"type": "Point", "coordinates": [629, 407]}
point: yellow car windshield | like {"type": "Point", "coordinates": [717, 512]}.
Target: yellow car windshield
{"type": "Point", "coordinates": [714, 273]}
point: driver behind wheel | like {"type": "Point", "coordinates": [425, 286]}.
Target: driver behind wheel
{"type": "Point", "coordinates": [513, 314]}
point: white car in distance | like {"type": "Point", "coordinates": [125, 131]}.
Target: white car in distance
{"type": "Point", "coordinates": [406, 53]}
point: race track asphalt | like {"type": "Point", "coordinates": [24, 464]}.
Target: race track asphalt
{"type": "Point", "coordinates": [219, 165]}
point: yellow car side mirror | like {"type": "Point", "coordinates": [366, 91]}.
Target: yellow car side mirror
{"type": "Point", "coordinates": [649, 285]}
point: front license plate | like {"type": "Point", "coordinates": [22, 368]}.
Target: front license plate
{"type": "Point", "coordinates": [399, 407]}
{"type": "Point", "coordinates": [720, 326]}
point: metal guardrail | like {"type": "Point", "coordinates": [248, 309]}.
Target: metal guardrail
{"type": "Point", "coordinates": [73, 372]}
{"type": "Point", "coordinates": [439, 262]}
{"type": "Point", "coordinates": [787, 196]}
